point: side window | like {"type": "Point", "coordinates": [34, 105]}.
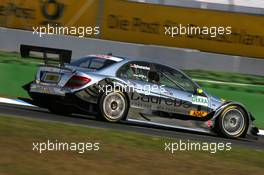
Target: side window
{"type": "Point", "coordinates": [174, 79]}
{"type": "Point", "coordinates": [85, 63]}
{"type": "Point", "coordinates": [125, 72]}
{"type": "Point", "coordinates": [135, 71]}
{"type": "Point", "coordinates": [166, 82]}
{"type": "Point", "coordinates": [96, 63]}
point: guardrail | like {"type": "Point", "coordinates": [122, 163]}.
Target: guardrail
{"type": "Point", "coordinates": [11, 40]}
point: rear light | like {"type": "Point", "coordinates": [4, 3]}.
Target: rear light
{"type": "Point", "coordinates": [77, 81]}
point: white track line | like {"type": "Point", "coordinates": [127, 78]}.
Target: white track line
{"type": "Point", "coordinates": [261, 132]}
{"type": "Point", "coordinates": [22, 103]}
{"type": "Point", "coordinates": [228, 83]}
{"type": "Point", "coordinates": [14, 101]}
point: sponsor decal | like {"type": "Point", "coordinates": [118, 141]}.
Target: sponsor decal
{"type": "Point", "coordinates": [136, 66]}
{"type": "Point", "coordinates": [140, 76]}
{"type": "Point", "coordinates": [199, 100]}
{"type": "Point", "coordinates": [197, 113]}
{"type": "Point", "coordinates": [158, 100]}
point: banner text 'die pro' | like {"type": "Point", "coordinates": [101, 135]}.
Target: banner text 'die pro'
{"type": "Point", "coordinates": [146, 23]}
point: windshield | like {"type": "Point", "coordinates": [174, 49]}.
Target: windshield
{"type": "Point", "coordinates": [94, 63]}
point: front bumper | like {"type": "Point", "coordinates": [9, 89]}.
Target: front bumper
{"type": "Point", "coordinates": [253, 131]}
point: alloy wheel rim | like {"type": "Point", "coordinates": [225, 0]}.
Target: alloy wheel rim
{"type": "Point", "coordinates": [114, 106]}
{"type": "Point", "coordinates": [233, 122]}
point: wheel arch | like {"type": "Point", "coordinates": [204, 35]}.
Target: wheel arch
{"type": "Point", "coordinates": [228, 104]}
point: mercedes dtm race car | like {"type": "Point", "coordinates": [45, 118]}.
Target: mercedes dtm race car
{"type": "Point", "coordinates": [116, 88]}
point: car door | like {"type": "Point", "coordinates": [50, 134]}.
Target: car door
{"type": "Point", "coordinates": [179, 94]}
{"type": "Point", "coordinates": [143, 93]}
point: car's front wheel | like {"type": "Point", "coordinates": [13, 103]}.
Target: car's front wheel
{"type": "Point", "coordinates": [113, 106]}
{"type": "Point", "coordinates": [232, 122]}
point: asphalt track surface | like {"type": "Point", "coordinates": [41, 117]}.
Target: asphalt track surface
{"type": "Point", "coordinates": [90, 121]}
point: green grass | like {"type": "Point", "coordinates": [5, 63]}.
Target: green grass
{"type": "Point", "coordinates": [16, 72]}
{"type": "Point", "coordinates": [226, 76]}
{"type": "Point", "coordinates": [119, 153]}
{"type": "Point", "coordinates": [253, 101]}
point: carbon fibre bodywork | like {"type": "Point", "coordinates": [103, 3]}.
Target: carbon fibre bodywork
{"type": "Point", "coordinates": [162, 105]}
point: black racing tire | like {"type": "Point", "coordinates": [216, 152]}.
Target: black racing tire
{"type": "Point", "coordinates": [59, 109]}
{"type": "Point", "coordinates": [232, 122]}
{"type": "Point", "coordinates": [113, 106]}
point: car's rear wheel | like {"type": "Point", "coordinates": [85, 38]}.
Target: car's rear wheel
{"type": "Point", "coordinates": [233, 122]}
{"type": "Point", "coordinates": [113, 106]}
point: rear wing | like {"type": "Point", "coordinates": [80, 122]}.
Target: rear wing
{"type": "Point", "coordinates": [64, 56]}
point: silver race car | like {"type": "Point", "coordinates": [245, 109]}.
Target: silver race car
{"type": "Point", "coordinates": [117, 88]}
